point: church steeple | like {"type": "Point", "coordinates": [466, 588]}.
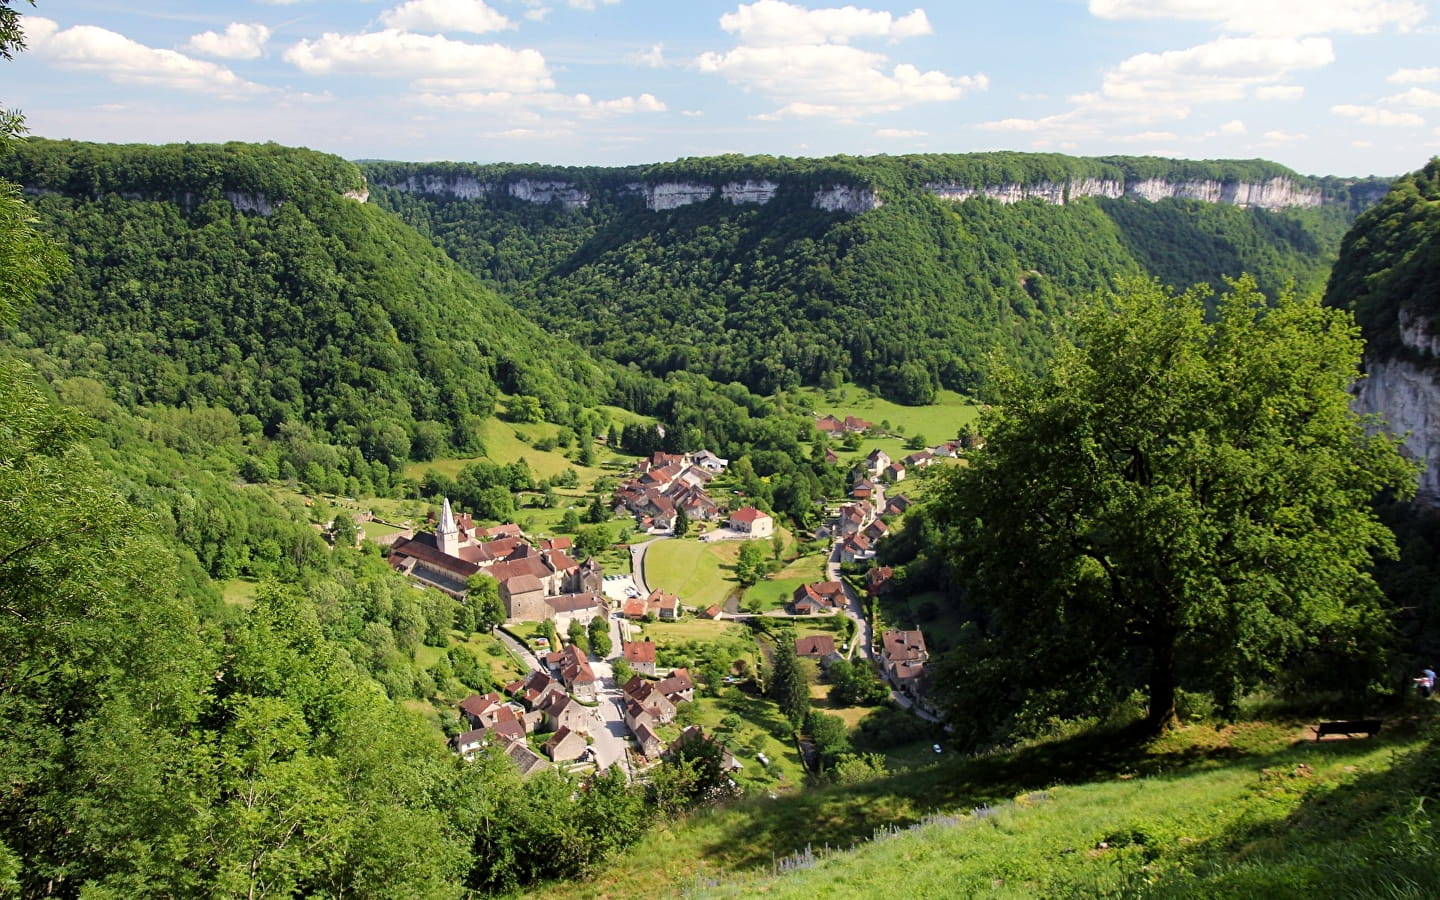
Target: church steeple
{"type": "Point", "coordinates": [447, 535]}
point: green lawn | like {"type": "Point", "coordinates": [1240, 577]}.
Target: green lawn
{"type": "Point", "coordinates": [702, 575]}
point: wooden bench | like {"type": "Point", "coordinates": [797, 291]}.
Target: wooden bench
{"type": "Point", "coordinates": [1367, 727]}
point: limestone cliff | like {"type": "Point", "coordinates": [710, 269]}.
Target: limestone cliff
{"type": "Point", "coordinates": [1406, 397]}
{"type": "Point", "coordinates": [1388, 275]}
{"type": "Point", "coordinates": [1272, 194]}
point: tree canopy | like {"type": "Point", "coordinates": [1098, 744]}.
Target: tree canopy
{"type": "Point", "coordinates": [1181, 502]}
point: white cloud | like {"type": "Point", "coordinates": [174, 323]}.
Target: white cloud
{"type": "Point", "coordinates": [692, 113]}
{"type": "Point", "coordinates": [654, 57]}
{"type": "Point", "coordinates": [432, 63]}
{"type": "Point", "coordinates": [812, 77]}
{"type": "Point", "coordinates": [1219, 70]}
{"type": "Point", "coordinates": [471, 16]}
{"type": "Point", "coordinates": [591, 4]}
{"type": "Point", "coordinates": [239, 41]}
{"type": "Point", "coordinates": [1372, 115]}
{"type": "Point", "coordinates": [523, 105]}
{"type": "Point", "coordinates": [1273, 17]}
{"type": "Point", "coordinates": [1416, 97]}
{"type": "Point", "coordinates": [1146, 137]}
{"type": "Point", "coordinates": [1282, 137]}
{"type": "Point", "coordinates": [773, 23]}
{"type": "Point", "coordinates": [900, 133]}
{"type": "Point", "coordinates": [1234, 126]}
{"type": "Point", "coordinates": [1363, 145]}
{"type": "Point", "coordinates": [1152, 88]}
{"type": "Point", "coordinates": [834, 80]}
{"type": "Point", "coordinates": [1279, 92]}
{"type": "Point", "coordinates": [92, 49]}
{"type": "Point", "coordinates": [1406, 76]}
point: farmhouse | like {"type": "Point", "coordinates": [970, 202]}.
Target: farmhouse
{"type": "Point", "coordinates": [818, 597]}
{"type": "Point", "coordinates": [903, 658]}
{"type": "Point", "coordinates": [641, 656]}
{"type": "Point", "coordinates": [565, 745]}
{"type": "Point", "coordinates": [750, 521]}
{"type": "Point", "coordinates": [816, 646]}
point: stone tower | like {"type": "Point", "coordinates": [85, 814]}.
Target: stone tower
{"type": "Point", "coordinates": [447, 535]}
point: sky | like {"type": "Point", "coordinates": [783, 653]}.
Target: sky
{"type": "Point", "coordinates": [1327, 87]}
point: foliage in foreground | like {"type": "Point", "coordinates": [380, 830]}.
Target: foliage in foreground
{"type": "Point", "coordinates": [1180, 503]}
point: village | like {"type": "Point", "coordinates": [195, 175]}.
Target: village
{"type": "Point", "coordinates": [595, 701]}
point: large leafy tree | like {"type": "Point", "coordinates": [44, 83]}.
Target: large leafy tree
{"type": "Point", "coordinates": [1182, 501]}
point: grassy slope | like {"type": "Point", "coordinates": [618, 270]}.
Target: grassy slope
{"type": "Point", "coordinates": [1249, 810]}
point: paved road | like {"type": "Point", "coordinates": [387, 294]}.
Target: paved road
{"type": "Point", "coordinates": [854, 608]}
{"type": "Point", "coordinates": [637, 564]}
{"type": "Point", "coordinates": [612, 737]}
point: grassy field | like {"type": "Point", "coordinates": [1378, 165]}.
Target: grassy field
{"type": "Point", "coordinates": [506, 442]}
{"type": "Point", "coordinates": [671, 633]}
{"type": "Point", "coordinates": [240, 591]}
{"type": "Point", "coordinates": [937, 422]}
{"type": "Point", "coordinates": [702, 575]}
{"type": "Point", "coordinates": [1254, 809]}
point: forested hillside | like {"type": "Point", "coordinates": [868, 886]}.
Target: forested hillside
{"type": "Point", "coordinates": [243, 276]}
{"type": "Point", "coordinates": [730, 267]}
{"type": "Point", "coordinates": [1388, 272]}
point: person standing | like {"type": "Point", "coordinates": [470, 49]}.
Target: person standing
{"type": "Point", "coordinates": [1426, 682]}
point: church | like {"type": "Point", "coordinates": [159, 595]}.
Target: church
{"type": "Point", "coordinates": [535, 583]}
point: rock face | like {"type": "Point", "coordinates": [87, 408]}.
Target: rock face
{"type": "Point", "coordinates": [1405, 394]}
{"type": "Point", "coordinates": [850, 198]}
{"type": "Point", "coordinates": [567, 194]}
{"type": "Point", "coordinates": [1407, 399]}
{"type": "Point", "coordinates": [760, 192]}
{"type": "Point", "coordinates": [1271, 194]}
{"type": "Point", "coordinates": [673, 194]}
{"type": "Point", "coordinates": [467, 187]}
{"type": "Point", "coordinates": [249, 203]}
{"type": "Point", "coordinates": [461, 187]}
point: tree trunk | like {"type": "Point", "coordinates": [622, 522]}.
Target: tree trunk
{"type": "Point", "coordinates": [1162, 682]}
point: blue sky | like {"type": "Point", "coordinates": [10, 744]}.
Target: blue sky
{"type": "Point", "coordinates": [1343, 87]}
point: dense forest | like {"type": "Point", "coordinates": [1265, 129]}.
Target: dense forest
{"type": "Point", "coordinates": [909, 297]}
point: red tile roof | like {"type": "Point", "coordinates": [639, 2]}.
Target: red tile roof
{"type": "Point", "coordinates": [640, 652]}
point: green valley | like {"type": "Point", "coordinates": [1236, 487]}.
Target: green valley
{"type": "Point", "coordinates": [1120, 542]}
